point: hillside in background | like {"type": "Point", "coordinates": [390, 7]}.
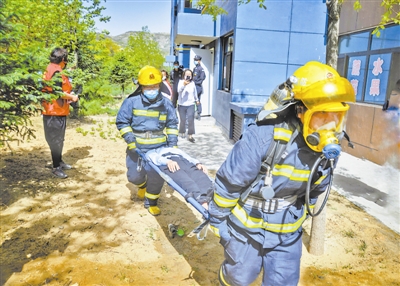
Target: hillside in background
{"type": "Point", "coordinates": [163, 40]}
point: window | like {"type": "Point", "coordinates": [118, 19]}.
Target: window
{"type": "Point", "coordinates": [354, 43]}
{"type": "Point", "coordinates": [369, 63]}
{"type": "Point", "coordinates": [192, 4]}
{"type": "Point", "coordinates": [389, 38]}
{"type": "Point", "coordinates": [227, 48]}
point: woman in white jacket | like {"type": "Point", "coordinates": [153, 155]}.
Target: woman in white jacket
{"type": "Point", "coordinates": [186, 104]}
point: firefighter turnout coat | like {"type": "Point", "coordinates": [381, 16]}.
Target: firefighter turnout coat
{"type": "Point", "coordinates": [147, 125]}
{"type": "Point", "coordinates": [268, 222]}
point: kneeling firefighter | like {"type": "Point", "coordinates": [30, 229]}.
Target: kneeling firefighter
{"type": "Point", "coordinates": [259, 203]}
{"type": "Point", "coordinates": [147, 120]}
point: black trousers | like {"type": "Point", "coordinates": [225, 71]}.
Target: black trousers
{"type": "Point", "coordinates": [199, 107]}
{"type": "Point", "coordinates": [192, 180]}
{"type": "Point", "coordinates": [54, 132]}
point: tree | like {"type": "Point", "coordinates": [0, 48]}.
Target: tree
{"type": "Point", "coordinates": [121, 73]}
{"type": "Point", "coordinates": [29, 30]}
{"type": "Point", "coordinates": [17, 84]}
{"type": "Point", "coordinates": [142, 49]}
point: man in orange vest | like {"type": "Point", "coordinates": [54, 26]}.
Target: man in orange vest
{"type": "Point", "coordinates": [55, 111]}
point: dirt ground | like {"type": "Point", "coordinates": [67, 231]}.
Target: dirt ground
{"type": "Point", "coordinates": [85, 230]}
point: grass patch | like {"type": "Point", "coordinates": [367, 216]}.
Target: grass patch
{"type": "Point", "coordinates": [349, 233]}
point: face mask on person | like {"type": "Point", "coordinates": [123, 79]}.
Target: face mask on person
{"type": "Point", "coordinates": [151, 94]}
{"type": "Point", "coordinates": [176, 67]}
{"type": "Point", "coordinates": [196, 63]}
{"type": "Point", "coordinates": [164, 78]}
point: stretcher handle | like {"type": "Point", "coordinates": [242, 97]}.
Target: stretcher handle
{"type": "Point", "coordinates": [176, 187]}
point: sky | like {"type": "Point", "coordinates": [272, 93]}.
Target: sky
{"type": "Point", "coordinates": [132, 15]}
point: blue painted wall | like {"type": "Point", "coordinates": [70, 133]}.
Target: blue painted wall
{"type": "Point", "coordinates": [228, 21]}
{"type": "Point", "coordinates": [269, 45]}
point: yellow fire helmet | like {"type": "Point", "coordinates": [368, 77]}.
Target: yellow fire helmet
{"type": "Point", "coordinates": [324, 93]}
{"type": "Point", "coordinates": [149, 75]}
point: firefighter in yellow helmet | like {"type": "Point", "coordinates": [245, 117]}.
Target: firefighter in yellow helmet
{"type": "Point", "coordinates": [147, 121]}
{"type": "Point", "coordinates": [259, 203]}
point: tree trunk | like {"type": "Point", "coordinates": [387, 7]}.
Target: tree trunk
{"type": "Point", "coordinates": [332, 46]}
{"type": "Point", "coordinates": [317, 235]}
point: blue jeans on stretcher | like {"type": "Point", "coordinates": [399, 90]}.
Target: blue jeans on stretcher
{"type": "Point", "coordinates": [154, 181]}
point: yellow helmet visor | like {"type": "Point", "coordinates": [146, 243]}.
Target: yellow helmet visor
{"type": "Point", "coordinates": [327, 120]}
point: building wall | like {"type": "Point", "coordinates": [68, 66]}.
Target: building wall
{"type": "Point", "coordinates": [368, 17]}
{"type": "Point", "coordinates": [269, 45]}
{"type": "Point", "coordinates": [374, 134]}
{"type": "Point", "coordinates": [228, 21]}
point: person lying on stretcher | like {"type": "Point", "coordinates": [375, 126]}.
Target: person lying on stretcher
{"type": "Point", "coordinates": [187, 172]}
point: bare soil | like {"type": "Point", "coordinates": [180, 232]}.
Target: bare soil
{"type": "Point", "coordinates": [85, 230]}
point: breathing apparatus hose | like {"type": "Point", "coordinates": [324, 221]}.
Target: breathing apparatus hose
{"type": "Point", "coordinates": [328, 189]}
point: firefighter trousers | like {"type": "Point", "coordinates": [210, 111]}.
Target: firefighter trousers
{"type": "Point", "coordinates": [147, 173]}
{"type": "Point", "coordinates": [244, 261]}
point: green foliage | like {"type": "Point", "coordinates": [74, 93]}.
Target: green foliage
{"type": "Point", "coordinates": [357, 5]}
{"type": "Point", "coordinates": [349, 233]}
{"type": "Point", "coordinates": [121, 71]}
{"type": "Point", "coordinates": [19, 83]}
{"type": "Point", "coordinates": [211, 8]}
{"type": "Point", "coordinates": [142, 49]}
{"type": "Point", "coordinates": [101, 105]}
{"type": "Point", "coordinates": [29, 30]}
{"type": "Point", "coordinates": [391, 14]}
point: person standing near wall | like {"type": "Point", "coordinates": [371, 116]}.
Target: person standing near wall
{"type": "Point", "coordinates": [55, 111]}
{"type": "Point", "coordinates": [176, 76]}
{"type": "Point", "coordinates": [187, 100]}
{"type": "Point", "coordinates": [198, 77]}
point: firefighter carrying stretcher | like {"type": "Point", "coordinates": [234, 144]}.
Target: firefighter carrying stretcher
{"type": "Point", "coordinates": [259, 202]}
{"type": "Point", "coordinates": [147, 120]}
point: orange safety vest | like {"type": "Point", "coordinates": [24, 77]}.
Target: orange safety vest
{"type": "Point", "coordinates": [57, 107]}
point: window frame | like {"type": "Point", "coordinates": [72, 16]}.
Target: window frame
{"type": "Point", "coordinates": [344, 60]}
{"type": "Point", "coordinates": [227, 47]}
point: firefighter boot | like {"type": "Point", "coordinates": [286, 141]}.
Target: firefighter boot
{"type": "Point", "coordinates": [154, 210]}
{"type": "Point", "coordinates": [141, 190]}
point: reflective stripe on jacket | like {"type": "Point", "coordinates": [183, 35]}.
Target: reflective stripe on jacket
{"type": "Point", "coordinates": [290, 175]}
{"type": "Point", "coordinates": [57, 107]}
{"type": "Point", "coordinates": [148, 125]}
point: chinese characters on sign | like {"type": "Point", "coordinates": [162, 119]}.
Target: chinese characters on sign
{"type": "Point", "coordinates": [375, 83]}
{"type": "Point", "coordinates": [355, 71]}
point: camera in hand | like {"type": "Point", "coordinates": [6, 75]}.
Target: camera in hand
{"type": "Point", "coordinates": [188, 78]}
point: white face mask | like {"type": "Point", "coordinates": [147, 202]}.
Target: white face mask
{"type": "Point", "coordinates": [151, 94]}
{"type": "Point", "coordinates": [164, 78]}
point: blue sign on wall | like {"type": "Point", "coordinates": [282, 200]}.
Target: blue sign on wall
{"type": "Point", "coordinates": [356, 74]}
{"type": "Point", "coordinates": [377, 78]}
